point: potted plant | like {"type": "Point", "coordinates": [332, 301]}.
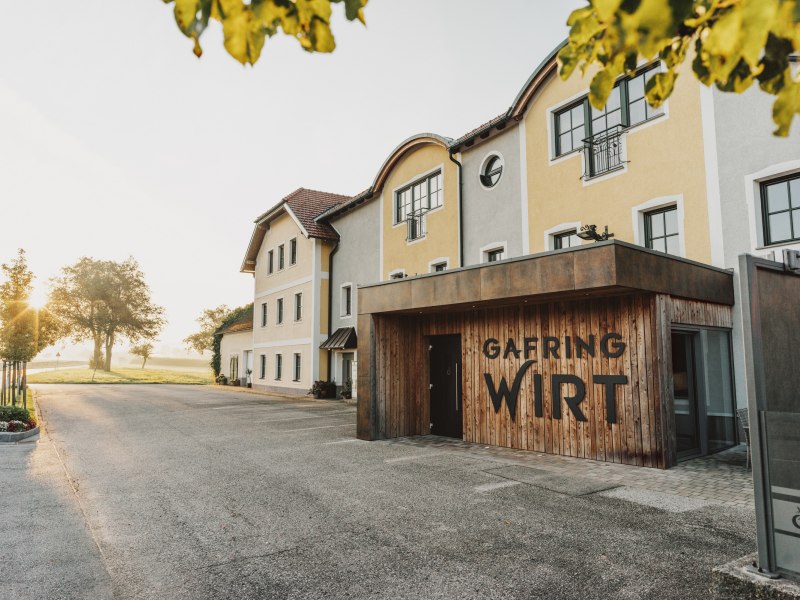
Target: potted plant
{"type": "Point", "coordinates": [347, 389]}
{"type": "Point", "coordinates": [222, 380]}
{"type": "Point", "coordinates": [323, 389]}
{"type": "Point", "coordinates": [249, 383]}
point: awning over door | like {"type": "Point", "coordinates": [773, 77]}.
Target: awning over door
{"type": "Point", "coordinates": [341, 339]}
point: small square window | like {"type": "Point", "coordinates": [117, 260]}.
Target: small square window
{"type": "Point", "coordinates": [567, 239]}
{"type": "Point", "coordinates": [495, 254]}
{"type": "Point", "coordinates": [780, 206]}
{"type": "Point", "coordinates": [661, 230]}
{"type": "Point", "coordinates": [439, 267]}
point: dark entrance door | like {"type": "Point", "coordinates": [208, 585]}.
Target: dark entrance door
{"type": "Point", "coordinates": [684, 382]}
{"type": "Point", "coordinates": [445, 385]}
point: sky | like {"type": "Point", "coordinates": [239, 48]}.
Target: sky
{"type": "Point", "coordinates": [117, 141]}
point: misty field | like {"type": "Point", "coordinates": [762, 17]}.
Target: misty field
{"type": "Point", "coordinates": [123, 375]}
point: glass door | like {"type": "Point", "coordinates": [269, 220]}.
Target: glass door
{"type": "Point", "coordinates": [684, 383]}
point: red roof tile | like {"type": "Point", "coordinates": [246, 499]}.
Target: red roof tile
{"type": "Point", "coordinates": [308, 204]}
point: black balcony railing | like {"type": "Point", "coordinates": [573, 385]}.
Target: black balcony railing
{"type": "Point", "coordinates": [416, 224]}
{"type": "Point", "coordinates": [603, 152]}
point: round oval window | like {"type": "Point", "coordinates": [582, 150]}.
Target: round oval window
{"type": "Point", "coordinates": [492, 170]}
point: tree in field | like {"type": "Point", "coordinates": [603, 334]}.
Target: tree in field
{"type": "Point", "coordinates": [733, 44]}
{"type": "Point", "coordinates": [237, 314]}
{"type": "Point", "coordinates": [247, 23]}
{"type": "Point", "coordinates": [143, 351]}
{"type": "Point", "coordinates": [210, 320]}
{"type": "Point", "coordinates": [105, 301]}
{"type": "Point", "coordinates": [24, 330]}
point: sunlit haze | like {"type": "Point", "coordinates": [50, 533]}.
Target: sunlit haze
{"type": "Point", "coordinates": [117, 141]}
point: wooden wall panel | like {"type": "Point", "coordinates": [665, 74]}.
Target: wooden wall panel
{"type": "Point", "coordinates": [641, 434]}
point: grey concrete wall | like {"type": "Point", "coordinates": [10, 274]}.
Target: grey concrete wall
{"type": "Point", "coordinates": [495, 214]}
{"type": "Point", "coordinates": [745, 147]}
{"type": "Point", "coordinates": [358, 258]}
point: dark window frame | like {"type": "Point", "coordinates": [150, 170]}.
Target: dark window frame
{"type": "Point", "coordinates": [794, 227]}
{"type": "Point", "coordinates": [263, 314]}
{"type": "Point", "coordinates": [648, 227]}
{"type": "Point", "coordinates": [347, 300]}
{"type": "Point", "coordinates": [262, 366]}
{"type": "Point", "coordinates": [402, 211]}
{"type": "Point", "coordinates": [558, 239]}
{"type": "Point", "coordinates": [270, 262]}
{"type": "Point", "coordinates": [279, 311]}
{"type": "Point", "coordinates": [489, 170]}
{"type": "Point", "coordinates": [625, 110]}
{"type": "Point", "coordinates": [495, 254]}
{"type": "Point", "coordinates": [292, 252]}
{"type": "Point", "coordinates": [298, 363]}
{"type": "Point", "coordinates": [281, 257]}
{"type": "Point", "coordinates": [278, 366]}
{"type": "Point", "coordinates": [298, 306]}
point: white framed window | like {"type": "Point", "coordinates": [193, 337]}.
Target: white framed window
{"type": "Point", "coordinates": [298, 306]}
{"type": "Point", "coordinates": [558, 237]}
{"type": "Point", "coordinates": [397, 274]}
{"type": "Point", "coordinates": [278, 366]}
{"type": "Point", "coordinates": [292, 252]}
{"type": "Point", "coordinates": [279, 312]}
{"type": "Point", "coordinates": [297, 364]}
{"type": "Point", "coordinates": [659, 224]}
{"type": "Point", "coordinates": [491, 170]}
{"type": "Point", "coordinates": [346, 301]}
{"type": "Point", "coordinates": [418, 197]}
{"type": "Point", "coordinates": [780, 210]}
{"type": "Point", "coordinates": [263, 314]}
{"type": "Point", "coordinates": [262, 366]}
{"type": "Point", "coordinates": [493, 252]}
{"type": "Point", "coordinates": [270, 262]}
{"type": "Point", "coordinates": [281, 257]}
{"type": "Point", "coordinates": [566, 239]}
{"type": "Point", "coordinates": [438, 265]}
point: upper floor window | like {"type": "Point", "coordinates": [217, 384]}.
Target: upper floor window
{"type": "Point", "coordinates": [347, 300]}
{"type": "Point", "coordinates": [270, 262]}
{"type": "Point", "coordinates": [419, 197]}
{"type": "Point", "coordinates": [661, 230]}
{"type": "Point", "coordinates": [263, 314]}
{"type": "Point", "coordinates": [279, 315]}
{"type": "Point", "coordinates": [293, 251]}
{"type": "Point", "coordinates": [492, 170]}
{"type": "Point", "coordinates": [780, 200]}
{"type": "Point", "coordinates": [281, 257]}
{"type": "Point", "coordinates": [298, 306]}
{"type": "Point", "coordinates": [566, 239]}
{"type": "Point", "coordinates": [438, 267]}
{"type": "Point", "coordinates": [626, 106]}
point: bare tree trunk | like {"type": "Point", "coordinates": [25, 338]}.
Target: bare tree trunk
{"type": "Point", "coordinates": [109, 347]}
{"type": "Point", "coordinates": [3, 387]}
{"type": "Point", "coordinates": [98, 351]}
{"type": "Point", "coordinates": [144, 361]}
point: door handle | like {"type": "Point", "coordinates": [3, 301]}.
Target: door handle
{"type": "Point", "coordinates": [456, 389]}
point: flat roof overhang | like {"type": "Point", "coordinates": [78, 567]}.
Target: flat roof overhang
{"type": "Point", "coordinates": [590, 270]}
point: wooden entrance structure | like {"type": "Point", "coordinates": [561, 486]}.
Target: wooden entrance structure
{"type": "Point", "coordinates": [566, 352]}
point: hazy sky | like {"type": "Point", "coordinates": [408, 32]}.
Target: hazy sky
{"type": "Point", "coordinates": [115, 140]}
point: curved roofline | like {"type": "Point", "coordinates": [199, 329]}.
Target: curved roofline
{"type": "Point", "coordinates": [405, 146]}
{"type": "Point", "coordinates": [539, 74]}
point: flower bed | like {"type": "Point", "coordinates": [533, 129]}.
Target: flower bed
{"type": "Point", "coordinates": [16, 419]}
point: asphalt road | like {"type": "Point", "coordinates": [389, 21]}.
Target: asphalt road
{"type": "Point", "coordinates": [142, 491]}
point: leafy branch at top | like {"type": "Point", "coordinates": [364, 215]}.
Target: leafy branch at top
{"type": "Point", "coordinates": [247, 23]}
{"type": "Point", "coordinates": [734, 43]}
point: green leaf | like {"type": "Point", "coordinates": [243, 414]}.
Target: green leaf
{"type": "Point", "coordinates": [786, 106]}
{"type": "Point", "coordinates": [605, 9]}
{"type": "Point", "coordinates": [660, 87]}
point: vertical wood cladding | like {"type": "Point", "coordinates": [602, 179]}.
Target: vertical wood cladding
{"type": "Point", "coordinates": [642, 431]}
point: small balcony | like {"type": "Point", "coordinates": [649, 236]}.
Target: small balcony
{"type": "Point", "coordinates": [603, 152]}
{"type": "Point", "coordinates": [416, 225]}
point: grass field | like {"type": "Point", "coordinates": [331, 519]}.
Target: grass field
{"type": "Point", "coordinates": [121, 376]}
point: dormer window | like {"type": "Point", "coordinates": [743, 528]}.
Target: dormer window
{"type": "Point", "coordinates": [416, 199]}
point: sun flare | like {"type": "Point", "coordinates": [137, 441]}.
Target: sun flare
{"type": "Point", "coordinates": [38, 298]}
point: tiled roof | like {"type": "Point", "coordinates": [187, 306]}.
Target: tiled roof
{"type": "Point", "coordinates": [308, 204]}
{"type": "Point", "coordinates": [486, 126]}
